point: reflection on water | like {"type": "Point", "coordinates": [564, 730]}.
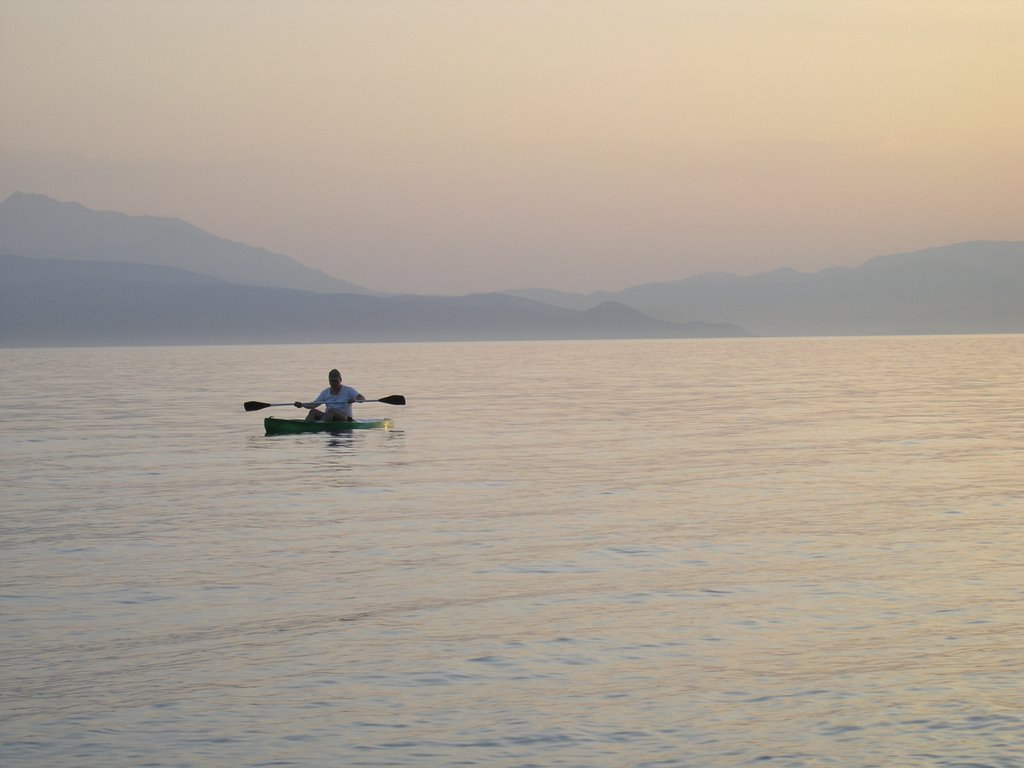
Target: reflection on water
{"type": "Point", "coordinates": [795, 552]}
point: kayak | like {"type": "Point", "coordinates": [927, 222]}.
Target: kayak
{"type": "Point", "coordinates": [301, 426]}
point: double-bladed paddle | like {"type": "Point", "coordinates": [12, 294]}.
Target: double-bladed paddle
{"type": "Point", "coordinates": [255, 405]}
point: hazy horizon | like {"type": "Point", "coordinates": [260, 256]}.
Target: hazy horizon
{"type": "Point", "coordinates": [453, 147]}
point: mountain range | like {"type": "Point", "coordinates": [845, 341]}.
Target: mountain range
{"type": "Point", "coordinates": [64, 302]}
{"type": "Point", "coordinates": [70, 275]}
{"type": "Point", "coordinates": [973, 287]}
{"type": "Point", "coordinates": [73, 276]}
{"type": "Point", "coordinates": [39, 226]}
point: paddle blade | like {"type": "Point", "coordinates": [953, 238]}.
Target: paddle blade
{"type": "Point", "coordinates": [254, 405]}
{"type": "Point", "coordinates": [393, 400]}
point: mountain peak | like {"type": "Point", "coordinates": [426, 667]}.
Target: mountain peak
{"type": "Point", "coordinates": [38, 226]}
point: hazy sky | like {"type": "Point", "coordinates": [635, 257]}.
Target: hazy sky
{"type": "Point", "coordinates": [463, 145]}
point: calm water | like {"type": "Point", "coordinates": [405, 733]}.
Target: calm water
{"type": "Point", "coordinates": [802, 552]}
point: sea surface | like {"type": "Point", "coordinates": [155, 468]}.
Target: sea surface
{"type": "Point", "coordinates": [758, 552]}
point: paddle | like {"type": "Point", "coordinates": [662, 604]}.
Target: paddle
{"type": "Point", "coordinates": [255, 405]}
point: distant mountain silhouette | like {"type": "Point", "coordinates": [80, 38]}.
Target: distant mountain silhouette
{"type": "Point", "coordinates": [36, 225]}
{"type": "Point", "coordinates": [59, 302]}
{"type": "Point", "coordinates": [175, 282]}
{"type": "Point", "coordinates": [974, 287]}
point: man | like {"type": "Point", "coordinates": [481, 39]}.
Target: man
{"type": "Point", "coordinates": [336, 399]}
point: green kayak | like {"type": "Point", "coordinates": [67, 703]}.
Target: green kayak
{"type": "Point", "coordinates": [300, 426]}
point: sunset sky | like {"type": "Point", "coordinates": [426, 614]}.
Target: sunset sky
{"type": "Point", "coordinates": [449, 146]}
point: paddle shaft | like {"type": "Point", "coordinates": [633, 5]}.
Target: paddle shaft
{"type": "Point", "coordinates": [255, 405]}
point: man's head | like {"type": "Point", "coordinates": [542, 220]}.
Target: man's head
{"type": "Point", "coordinates": [334, 377]}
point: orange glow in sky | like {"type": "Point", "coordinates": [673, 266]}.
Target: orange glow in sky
{"type": "Point", "coordinates": [453, 146]}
